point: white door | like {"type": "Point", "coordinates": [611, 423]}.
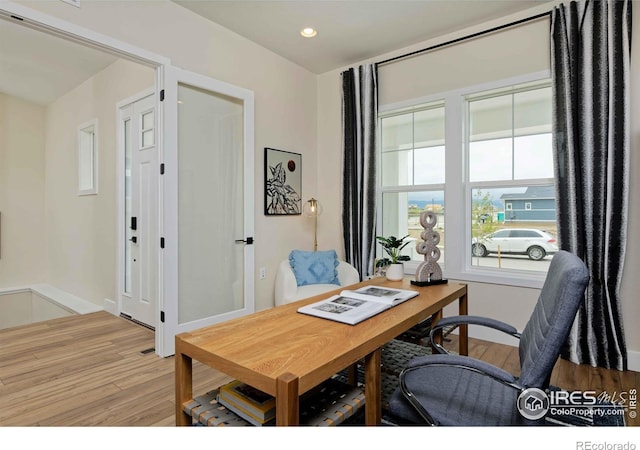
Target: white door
{"type": "Point", "coordinates": [207, 259]}
{"type": "Point", "coordinates": [139, 293]}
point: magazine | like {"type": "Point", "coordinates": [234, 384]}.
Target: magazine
{"type": "Point", "coordinates": [353, 307]}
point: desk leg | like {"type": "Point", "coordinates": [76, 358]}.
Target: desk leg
{"type": "Point", "coordinates": [287, 400]}
{"type": "Point", "coordinates": [373, 388]}
{"type": "Point", "coordinates": [184, 388]}
{"type": "Point", "coordinates": [464, 329]}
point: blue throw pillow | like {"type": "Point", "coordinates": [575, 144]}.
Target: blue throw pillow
{"type": "Point", "coordinates": [314, 267]}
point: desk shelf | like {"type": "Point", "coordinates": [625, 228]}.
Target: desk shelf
{"type": "Point", "coordinates": [205, 410]}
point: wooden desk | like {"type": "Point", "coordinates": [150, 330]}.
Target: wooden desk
{"type": "Point", "coordinates": [285, 353]}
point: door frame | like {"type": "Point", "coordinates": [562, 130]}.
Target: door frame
{"type": "Point", "coordinates": [120, 198]}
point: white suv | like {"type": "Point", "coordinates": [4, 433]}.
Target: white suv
{"type": "Point", "coordinates": [519, 241]}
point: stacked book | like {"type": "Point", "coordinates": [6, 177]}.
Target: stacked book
{"type": "Point", "coordinates": [249, 403]}
{"type": "Point", "coordinates": [330, 403]}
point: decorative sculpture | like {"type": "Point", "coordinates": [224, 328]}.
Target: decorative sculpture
{"type": "Point", "coordinates": [429, 271]}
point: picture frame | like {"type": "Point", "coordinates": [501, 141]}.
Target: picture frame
{"type": "Point", "coordinates": [282, 182]}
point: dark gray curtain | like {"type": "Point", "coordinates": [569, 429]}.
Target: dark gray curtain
{"type": "Point", "coordinates": [359, 118]}
{"type": "Point", "coordinates": [590, 52]}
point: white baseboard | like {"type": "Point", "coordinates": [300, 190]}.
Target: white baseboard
{"type": "Point", "coordinates": [110, 306]}
{"type": "Point", "coordinates": [633, 361]}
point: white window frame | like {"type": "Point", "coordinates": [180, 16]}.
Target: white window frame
{"type": "Point", "coordinates": [88, 157]}
{"type": "Point", "coordinates": [527, 206]}
{"type": "Point", "coordinates": [457, 193]}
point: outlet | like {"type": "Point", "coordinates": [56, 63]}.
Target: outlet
{"type": "Point", "coordinates": [263, 273]}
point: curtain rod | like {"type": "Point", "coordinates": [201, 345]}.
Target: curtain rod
{"type": "Point", "coordinates": [464, 38]}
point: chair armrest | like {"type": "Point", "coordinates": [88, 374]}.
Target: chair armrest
{"type": "Point", "coordinates": [470, 320]}
{"type": "Point", "coordinates": [465, 362]}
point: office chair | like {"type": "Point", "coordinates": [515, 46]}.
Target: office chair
{"type": "Point", "coordinates": [447, 389]}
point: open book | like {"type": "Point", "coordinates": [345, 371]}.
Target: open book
{"type": "Point", "coordinates": [353, 307]}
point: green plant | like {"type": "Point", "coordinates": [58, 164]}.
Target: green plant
{"type": "Point", "coordinates": [482, 213]}
{"type": "Point", "coordinates": [392, 247]}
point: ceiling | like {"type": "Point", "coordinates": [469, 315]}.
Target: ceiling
{"type": "Point", "coordinates": [40, 67]}
{"type": "Point", "coordinates": [349, 31]}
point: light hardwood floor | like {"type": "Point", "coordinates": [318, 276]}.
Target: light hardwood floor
{"type": "Point", "coordinates": [88, 371]}
{"type": "Point", "coordinates": [92, 371]}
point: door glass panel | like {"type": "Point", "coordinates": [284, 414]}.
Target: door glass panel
{"type": "Point", "coordinates": [147, 138]}
{"type": "Point", "coordinates": [147, 129]}
{"type": "Point", "coordinates": [210, 204]}
{"type": "Point", "coordinates": [127, 206]}
{"type": "Point", "coordinates": [147, 120]}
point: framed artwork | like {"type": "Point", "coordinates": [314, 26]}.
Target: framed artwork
{"type": "Point", "coordinates": [282, 183]}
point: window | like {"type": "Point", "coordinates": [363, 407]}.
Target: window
{"type": "Point", "coordinates": [510, 157]}
{"type": "Point", "coordinates": [88, 158]}
{"type": "Point", "coordinates": [412, 172]}
{"type": "Point", "coordinates": [487, 151]}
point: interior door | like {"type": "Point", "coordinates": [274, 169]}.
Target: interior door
{"type": "Point", "coordinates": [207, 259]}
{"type": "Point", "coordinates": [140, 294]}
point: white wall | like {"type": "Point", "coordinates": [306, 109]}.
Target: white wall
{"type": "Point", "coordinates": [504, 54]}
{"type": "Point", "coordinates": [22, 238]}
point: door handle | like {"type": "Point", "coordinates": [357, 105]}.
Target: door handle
{"type": "Point", "coordinates": [247, 241]}
{"type": "Point", "coordinates": [134, 239]}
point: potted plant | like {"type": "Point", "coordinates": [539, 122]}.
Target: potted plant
{"type": "Point", "coordinates": [393, 247]}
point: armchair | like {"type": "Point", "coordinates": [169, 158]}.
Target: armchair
{"type": "Point", "coordinates": [447, 389]}
{"type": "Point", "coordinates": [287, 290]}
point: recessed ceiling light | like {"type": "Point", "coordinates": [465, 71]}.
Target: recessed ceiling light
{"type": "Point", "coordinates": [308, 32]}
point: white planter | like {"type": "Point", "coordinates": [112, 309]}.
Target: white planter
{"type": "Point", "coordinates": [395, 272]}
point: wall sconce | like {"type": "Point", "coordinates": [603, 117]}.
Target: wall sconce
{"type": "Point", "coordinates": [312, 209]}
